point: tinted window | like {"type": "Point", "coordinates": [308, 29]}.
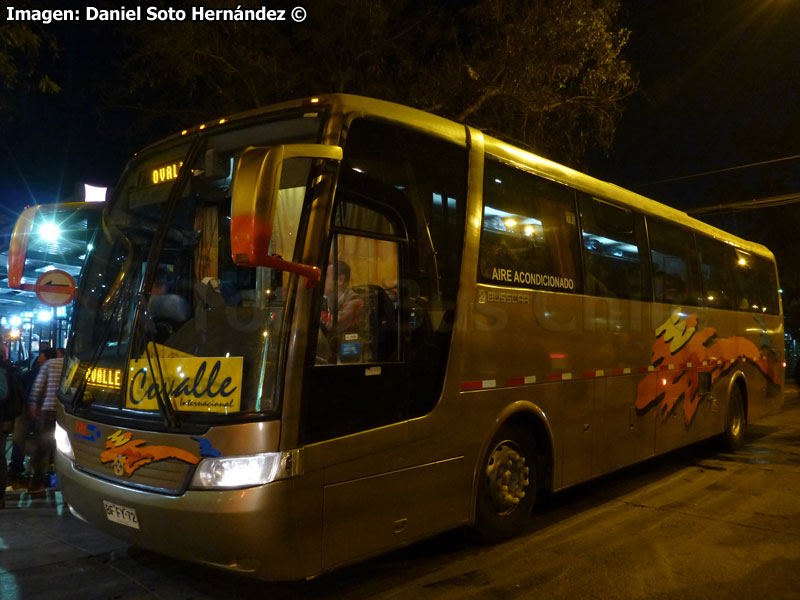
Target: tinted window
{"type": "Point", "coordinates": [756, 283]}
{"type": "Point", "coordinates": [529, 235]}
{"type": "Point", "coordinates": [614, 250]}
{"type": "Point", "coordinates": [675, 278]}
{"type": "Point", "coordinates": [387, 306]}
{"type": "Point", "coordinates": [717, 263]}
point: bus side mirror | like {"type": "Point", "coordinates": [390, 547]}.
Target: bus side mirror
{"type": "Point", "coordinates": [33, 217]}
{"type": "Point", "coordinates": [255, 197]}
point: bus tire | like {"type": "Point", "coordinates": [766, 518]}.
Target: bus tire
{"type": "Point", "coordinates": [506, 490]}
{"type": "Point", "coordinates": [735, 420]}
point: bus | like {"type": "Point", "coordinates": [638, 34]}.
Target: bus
{"type": "Point", "coordinates": [311, 333]}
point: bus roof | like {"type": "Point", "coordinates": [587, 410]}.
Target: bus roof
{"type": "Point", "coordinates": [347, 104]}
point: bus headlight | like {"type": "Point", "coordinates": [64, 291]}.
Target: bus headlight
{"type": "Point", "coordinates": [62, 442]}
{"type": "Point", "coordinates": [236, 471]}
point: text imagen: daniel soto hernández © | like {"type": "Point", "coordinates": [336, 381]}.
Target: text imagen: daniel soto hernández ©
{"type": "Point", "coordinates": [296, 14]}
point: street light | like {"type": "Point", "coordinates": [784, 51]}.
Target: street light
{"type": "Point", "coordinates": [49, 231]}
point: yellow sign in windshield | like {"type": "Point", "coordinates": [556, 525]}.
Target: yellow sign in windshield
{"type": "Point", "coordinates": [196, 384]}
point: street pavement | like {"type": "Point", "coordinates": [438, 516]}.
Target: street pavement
{"type": "Point", "coordinates": [696, 523]}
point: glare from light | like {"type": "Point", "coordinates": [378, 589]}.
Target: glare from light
{"type": "Point", "coordinates": [509, 223]}
{"type": "Point", "coordinates": [16, 321]}
{"type": "Point", "coordinates": [62, 442]}
{"type": "Point", "coordinates": [237, 471]}
{"type": "Point", "coordinates": [742, 262]}
{"type": "Point", "coordinates": [44, 316]}
{"type": "Point", "coordinates": [49, 231]}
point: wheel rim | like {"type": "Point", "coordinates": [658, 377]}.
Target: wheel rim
{"type": "Point", "coordinates": [736, 420]}
{"type": "Point", "coordinates": [506, 477]}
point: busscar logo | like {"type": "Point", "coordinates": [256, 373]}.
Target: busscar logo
{"type": "Point", "coordinates": [129, 455]}
{"type": "Point", "coordinates": [681, 345]}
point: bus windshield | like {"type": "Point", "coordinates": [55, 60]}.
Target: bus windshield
{"type": "Point", "coordinates": [165, 323]}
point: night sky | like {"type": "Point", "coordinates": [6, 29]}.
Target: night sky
{"type": "Point", "coordinates": [720, 87]}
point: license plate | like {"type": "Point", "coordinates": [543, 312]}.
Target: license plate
{"type": "Point", "coordinates": [121, 514]}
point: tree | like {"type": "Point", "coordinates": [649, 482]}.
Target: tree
{"type": "Point", "coordinates": [546, 73]}
{"type": "Point", "coordinates": [19, 48]}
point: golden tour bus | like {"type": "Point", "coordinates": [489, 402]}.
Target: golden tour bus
{"type": "Point", "coordinates": [314, 332]}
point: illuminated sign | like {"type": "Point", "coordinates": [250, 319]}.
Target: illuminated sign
{"type": "Point", "coordinates": [165, 172]}
{"type": "Point", "coordinates": [195, 384]}
{"type": "Point", "coordinates": [105, 378]}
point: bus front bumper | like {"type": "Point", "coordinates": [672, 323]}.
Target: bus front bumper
{"type": "Point", "coordinates": [250, 531]}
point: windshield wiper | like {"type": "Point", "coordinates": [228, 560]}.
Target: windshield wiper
{"type": "Point", "coordinates": [148, 328]}
{"type": "Point", "coordinates": [77, 398]}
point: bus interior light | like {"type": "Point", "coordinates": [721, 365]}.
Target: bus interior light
{"type": "Point", "coordinates": [236, 471]}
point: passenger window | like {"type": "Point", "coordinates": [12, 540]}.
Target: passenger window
{"type": "Point", "coordinates": [387, 307]}
{"type": "Point", "coordinates": [614, 250]}
{"type": "Point", "coordinates": [358, 320]}
{"type": "Point", "coordinates": [717, 263]}
{"type": "Point", "coordinates": [529, 236]}
{"type": "Point", "coordinates": [756, 283]}
{"type": "Point", "coordinates": [675, 277]}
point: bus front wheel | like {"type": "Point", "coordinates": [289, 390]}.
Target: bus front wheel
{"type": "Point", "coordinates": [736, 420]}
{"type": "Point", "coordinates": [506, 485]}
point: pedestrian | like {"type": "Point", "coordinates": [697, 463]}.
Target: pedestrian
{"type": "Point", "coordinates": [11, 406]}
{"type": "Point", "coordinates": [22, 425]}
{"type": "Point", "coordinates": [42, 408]}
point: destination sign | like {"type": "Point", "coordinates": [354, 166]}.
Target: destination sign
{"type": "Point", "coordinates": [104, 378]}
{"type": "Point", "coordinates": [165, 172]}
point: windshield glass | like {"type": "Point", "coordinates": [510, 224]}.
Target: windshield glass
{"type": "Point", "coordinates": [165, 324]}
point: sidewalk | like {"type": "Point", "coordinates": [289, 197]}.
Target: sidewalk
{"type": "Point", "coordinates": [41, 544]}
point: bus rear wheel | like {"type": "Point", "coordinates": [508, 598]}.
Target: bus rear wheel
{"type": "Point", "coordinates": [506, 485]}
{"type": "Point", "coordinates": [736, 420]}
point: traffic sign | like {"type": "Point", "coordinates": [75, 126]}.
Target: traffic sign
{"type": "Point", "coordinates": [55, 288]}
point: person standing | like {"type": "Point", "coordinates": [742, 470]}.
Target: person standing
{"type": "Point", "coordinates": [42, 408]}
{"type": "Point", "coordinates": [22, 425]}
{"type": "Point", "coordinates": [12, 402]}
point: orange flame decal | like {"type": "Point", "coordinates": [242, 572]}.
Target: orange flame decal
{"type": "Point", "coordinates": [678, 356]}
{"type": "Point", "coordinates": [129, 455]}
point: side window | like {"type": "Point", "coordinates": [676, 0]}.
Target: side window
{"type": "Point", "coordinates": [359, 317]}
{"type": "Point", "coordinates": [388, 305]}
{"type": "Point", "coordinates": [756, 283]}
{"type": "Point", "coordinates": [614, 250]}
{"type": "Point", "coordinates": [529, 236]}
{"type": "Point", "coordinates": [672, 251]}
{"type": "Point", "coordinates": [767, 281]}
{"type": "Point", "coordinates": [717, 263]}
